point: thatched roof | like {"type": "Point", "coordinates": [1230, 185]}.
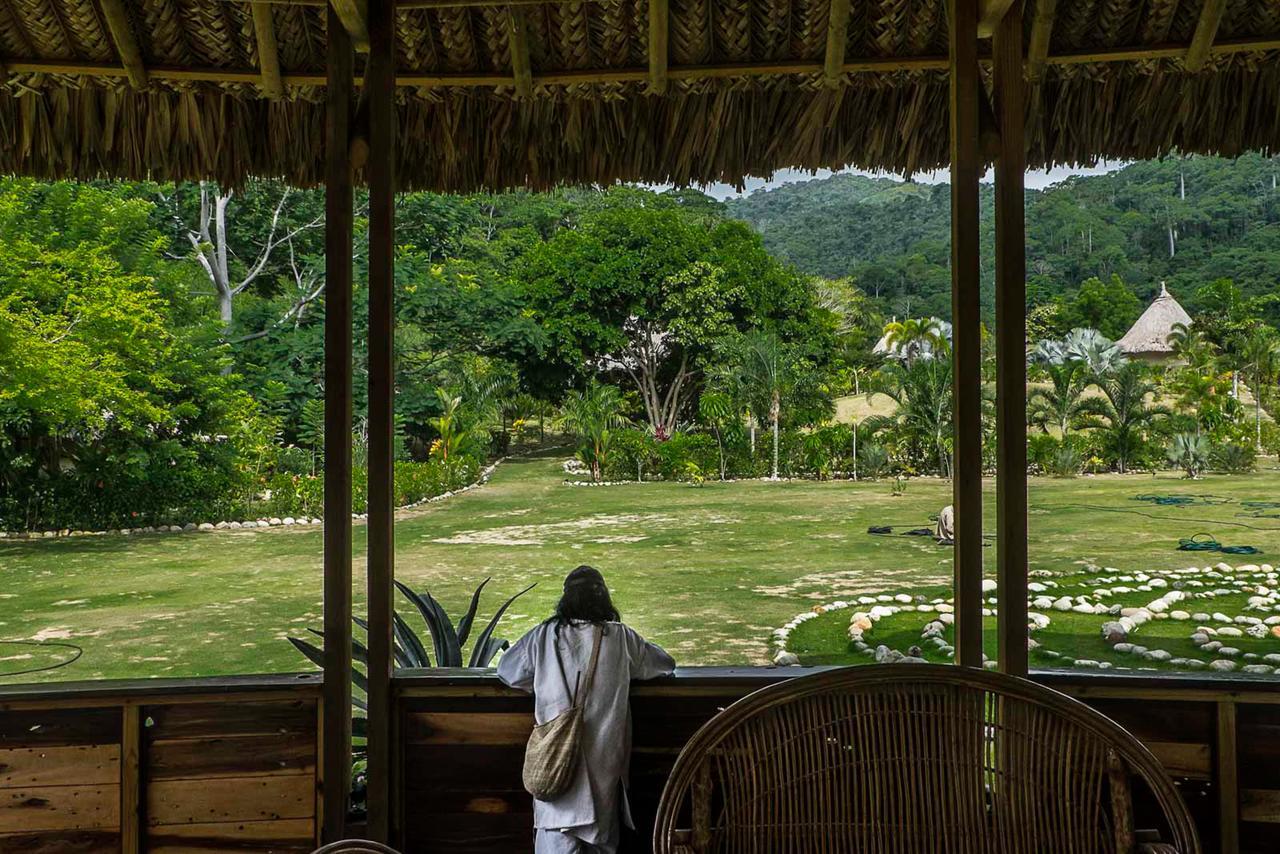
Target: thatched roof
{"type": "Point", "coordinates": [538, 93]}
{"type": "Point", "coordinates": [1150, 333]}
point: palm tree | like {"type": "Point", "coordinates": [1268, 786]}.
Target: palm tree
{"type": "Point", "coordinates": [915, 336]}
{"type": "Point", "coordinates": [765, 375]}
{"type": "Point", "coordinates": [1190, 346]}
{"type": "Point", "coordinates": [923, 394]}
{"type": "Point", "coordinates": [1123, 412]}
{"type": "Point", "coordinates": [716, 410]}
{"type": "Point", "coordinates": [1063, 403]}
{"type": "Point", "coordinates": [591, 414]}
{"type": "Point", "coordinates": [1098, 353]}
{"type": "Point", "coordinates": [1261, 353]}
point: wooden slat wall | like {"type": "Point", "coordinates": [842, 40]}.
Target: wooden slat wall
{"type": "Point", "coordinates": [462, 742]}
{"type": "Point", "coordinates": [234, 771]}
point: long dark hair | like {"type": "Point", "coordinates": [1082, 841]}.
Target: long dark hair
{"type": "Point", "coordinates": [585, 598]}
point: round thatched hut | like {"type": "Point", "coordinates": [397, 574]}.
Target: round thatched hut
{"type": "Point", "coordinates": [1148, 338]}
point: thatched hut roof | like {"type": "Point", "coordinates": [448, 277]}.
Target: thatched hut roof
{"type": "Point", "coordinates": [1149, 335]}
{"type": "Point", "coordinates": [539, 93]}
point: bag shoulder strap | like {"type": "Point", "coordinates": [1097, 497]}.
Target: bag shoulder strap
{"type": "Point", "coordinates": [591, 668]}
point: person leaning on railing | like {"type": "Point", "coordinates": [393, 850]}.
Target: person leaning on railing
{"type": "Point", "coordinates": [550, 659]}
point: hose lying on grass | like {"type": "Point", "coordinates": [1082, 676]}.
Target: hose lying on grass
{"type": "Point", "coordinates": [77, 650]}
{"type": "Point", "coordinates": [1203, 542]}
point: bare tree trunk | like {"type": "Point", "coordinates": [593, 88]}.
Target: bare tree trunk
{"type": "Point", "coordinates": [775, 412]}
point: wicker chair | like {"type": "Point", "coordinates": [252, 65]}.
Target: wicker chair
{"type": "Point", "coordinates": [355, 846]}
{"type": "Point", "coordinates": [913, 758]}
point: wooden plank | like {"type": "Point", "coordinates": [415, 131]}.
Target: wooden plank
{"type": "Point", "coordinates": [233, 799]}
{"type": "Point", "coordinates": [1228, 780]}
{"type": "Point", "coordinates": [39, 727]}
{"type": "Point", "coordinates": [1041, 33]}
{"type": "Point", "coordinates": [1260, 805]}
{"type": "Point", "coordinates": [1011, 336]}
{"type": "Point", "coordinates": [521, 65]}
{"type": "Point", "coordinates": [1182, 759]}
{"type": "Point", "coordinates": [131, 780]}
{"type": "Point", "coordinates": [211, 720]}
{"type": "Point", "coordinates": [464, 729]}
{"type": "Point", "coordinates": [659, 50]}
{"type": "Point", "coordinates": [1206, 33]}
{"type": "Point", "coordinates": [59, 808]}
{"type": "Point", "coordinates": [966, 350]}
{"type": "Point", "coordinates": [264, 31]}
{"type": "Point", "coordinates": [236, 756]}
{"type": "Point", "coordinates": [84, 764]}
{"type": "Point", "coordinates": [380, 82]}
{"type": "Point", "coordinates": [354, 16]}
{"type": "Point", "coordinates": [273, 836]}
{"type": "Point", "coordinates": [62, 842]}
{"type": "Point", "coordinates": [837, 41]}
{"type": "Point", "coordinates": [990, 14]}
{"type": "Point", "coordinates": [335, 737]}
{"type": "Point", "coordinates": [126, 44]}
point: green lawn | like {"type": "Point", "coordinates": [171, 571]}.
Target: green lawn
{"type": "Point", "coordinates": [707, 571]}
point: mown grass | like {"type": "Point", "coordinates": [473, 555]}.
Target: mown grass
{"type": "Point", "coordinates": [707, 571]}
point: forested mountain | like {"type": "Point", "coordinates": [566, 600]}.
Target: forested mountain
{"type": "Point", "coordinates": [1188, 221]}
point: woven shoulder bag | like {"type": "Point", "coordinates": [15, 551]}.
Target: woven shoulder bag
{"type": "Point", "coordinates": [555, 747]}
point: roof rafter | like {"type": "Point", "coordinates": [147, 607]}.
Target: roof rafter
{"type": "Point", "coordinates": [354, 15]}
{"type": "Point", "coordinates": [521, 66]}
{"type": "Point", "coordinates": [264, 31]}
{"type": "Point", "coordinates": [990, 14]}
{"type": "Point", "coordinates": [659, 33]}
{"type": "Point", "coordinates": [1041, 31]}
{"type": "Point", "coordinates": [1206, 32]}
{"type": "Point", "coordinates": [126, 44]}
{"type": "Point", "coordinates": [837, 41]}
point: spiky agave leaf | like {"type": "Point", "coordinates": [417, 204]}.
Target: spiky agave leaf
{"type": "Point", "coordinates": [316, 655]}
{"type": "Point", "coordinates": [443, 635]}
{"type": "Point", "coordinates": [413, 652]}
{"type": "Point", "coordinates": [484, 651]}
{"type": "Point", "coordinates": [464, 625]}
{"type": "Point", "coordinates": [481, 656]}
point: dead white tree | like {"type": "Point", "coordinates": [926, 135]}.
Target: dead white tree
{"type": "Point", "coordinates": [213, 250]}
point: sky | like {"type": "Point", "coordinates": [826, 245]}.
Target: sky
{"type": "Point", "coordinates": [1036, 180]}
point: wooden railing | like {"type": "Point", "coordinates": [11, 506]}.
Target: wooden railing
{"type": "Point", "coordinates": [461, 737]}
{"type": "Point", "coordinates": [232, 764]}
{"type": "Point", "coordinates": [225, 764]}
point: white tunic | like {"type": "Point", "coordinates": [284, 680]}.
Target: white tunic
{"type": "Point", "coordinates": [591, 807]}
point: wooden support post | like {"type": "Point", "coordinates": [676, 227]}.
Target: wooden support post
{"type": "Point", "coordinates": [380, 83]}
{"type": "Point", "coordinates": [966, 349]}
{"type": "Point", "coordinates": [1206, 32]}
{"type": "Point", "coordinates": [336, 721]}
{"type": "Point", "coordinates": [354, 16]}
{"type": "Point", "coordinates": [1228, 780]}
{"type": "Point", "coordinates": [264, 30]}
{"type": "Point", "coordinates": [126, 45]}
{"type": "Point", "coordinates": [1011, 349]}
{"type": "Point", "coordinates": [837, 41]}
{"type": "Point", "coordinates": [659, 34]}
{"type": "Point", "coordinates": [991, 13]}
{"type": "Point", "coordinates": [521, 66]}
{"type": "Point", "coordinates": [1041, 31]}
{"type": "Point", "coordinates": [131, 780]}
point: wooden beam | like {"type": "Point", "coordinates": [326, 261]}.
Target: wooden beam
{"type": "Point", "coordinates": [966, 318]}
{"type": "Point", "coordinates": [1011, 349]}
{"type": "Point", "coordinates": [1206, 33]}
{"type": "Point", "coordinates": [131, 799]}
{"type": "Point", "coordinates": [990, 14]}
{"type": "Point", "coordinates": [659, 35]}
{"type": "Point", "coordinates": [335, 722]}
{"type": "Point", "coordinates": [1228, 779]}
{"type": "Point", "coordinates": [126, 45]}
{"type": "Point", "coordinates": [837, 41]}
{"type": "Point", "coordinates": [521, 67]}
{"type": "Point", "coordinates": [1041, 32]}
{"type": "Point", "coordinates": [264, 30]}
{"type": "Point", "coordinates": [354, 15]}
{"type": "Point", "coordinates": [380, 84]}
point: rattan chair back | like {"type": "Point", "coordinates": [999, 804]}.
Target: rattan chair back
{"type": "Point", "coordinates": [355, 846]}
{"type": "Point", "coordinates": [912, 758]}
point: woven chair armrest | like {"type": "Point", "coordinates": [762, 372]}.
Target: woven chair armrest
{"type": "Point", "coordinates": [1156, 848]}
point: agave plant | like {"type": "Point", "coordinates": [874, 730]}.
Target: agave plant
{"type": "Point", "coordinates": [447, 640]}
